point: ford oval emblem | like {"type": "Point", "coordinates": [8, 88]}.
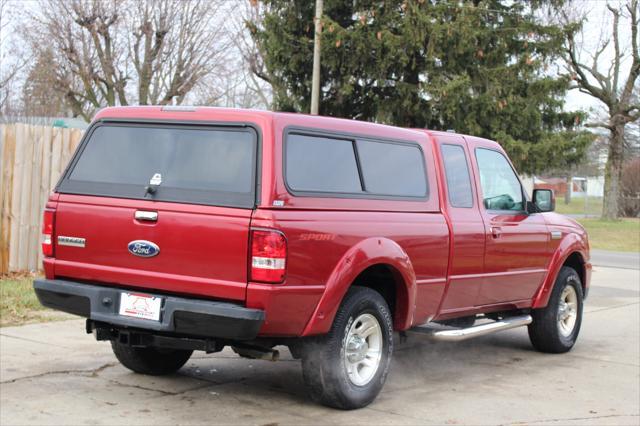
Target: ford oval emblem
{"type": "Point", "coordinates": [143, 248]}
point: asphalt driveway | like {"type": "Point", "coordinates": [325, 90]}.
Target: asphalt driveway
{"type": "Point", "coordinates": [615, 259]}
{"type": "Point", "coordinates": [53, 373]}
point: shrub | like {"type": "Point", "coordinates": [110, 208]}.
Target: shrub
{"type": "Point", "coordinates": [630, 194]}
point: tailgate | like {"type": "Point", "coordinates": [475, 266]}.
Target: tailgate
{"type": "Point", "coordinates": [189, 234]}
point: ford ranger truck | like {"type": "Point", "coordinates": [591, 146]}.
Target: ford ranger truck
{"type": "Point", "coordinates": [182, 229]}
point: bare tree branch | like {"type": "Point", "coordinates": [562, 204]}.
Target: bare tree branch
{"type": "Point", "coordinates": [581, 78]}
{"type": "Point", "coordinates": [598, 124]}
{"type": "Point", "coordinates": [10, 65]}
{"type": "Point", "coordinates": [116, 52]}
{"type": "Point", "coordinates": [616, 44]}
{"type": "Point", "coordinates": [621, 106]}
{"type": "Point", "coordinates": [634, 70]}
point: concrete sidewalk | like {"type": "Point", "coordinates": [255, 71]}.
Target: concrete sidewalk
{"type": "Point", "coordinates": [53, 373]}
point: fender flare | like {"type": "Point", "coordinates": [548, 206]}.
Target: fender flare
{"type": "Point", "coordinates": [366, 253]}
{"type": "Point", "coordinates": [572, 243]}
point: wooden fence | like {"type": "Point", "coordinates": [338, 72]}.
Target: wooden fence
{"type": "Point", "coordinates": [33, 157]}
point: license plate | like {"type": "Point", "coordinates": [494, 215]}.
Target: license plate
{"type": "Point", "coordinates": [139, 305]}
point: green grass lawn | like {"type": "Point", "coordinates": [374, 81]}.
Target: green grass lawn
{"type": "Point", "coordinates": [620, 235]}
{"type": "Point", "coordinates": [19, 304]}
{"type": "Point", "coordinates": [577, 206]}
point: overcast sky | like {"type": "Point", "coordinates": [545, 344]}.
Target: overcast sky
{"type": "Point", "coordinates": [598, 18]}
{"type": "Point", "coordinates": [598, 26]}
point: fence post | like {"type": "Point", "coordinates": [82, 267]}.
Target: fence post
{"type": "Point", "coordinates": [45, 182]}
{"type": "Point", "coordinates": [14, 242]}
{"type": "Point", "coordinates": [37, 133]}
{"type": "Point", "coordinates": [56, 154]}
{"type": "Point", "coordinates": [6, 193]}
{"type": "Point", "coordinates": [26, 171]}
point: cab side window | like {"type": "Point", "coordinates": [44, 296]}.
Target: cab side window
{"type": "Point", "coordinates": [457, 172]}
{"type": "Point", "coordinates": [321, 164]}
{"type": "Point", "coordinates": [501, 189]}
{"type": "Point", "coordinates": [356, 167]}
{"type": "Point", "coordinates": [392, 169]}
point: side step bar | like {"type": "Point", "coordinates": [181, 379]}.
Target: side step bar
{"type": "Point", "coordinates": [459, 334]}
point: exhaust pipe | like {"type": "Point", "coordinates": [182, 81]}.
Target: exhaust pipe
{"type": "Point", "coordinates": [256, 352]}
{"type": "Point", "coordinates": [460, 334]}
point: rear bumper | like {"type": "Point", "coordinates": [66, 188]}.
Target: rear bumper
{"type": "Point", "coordinates": [189, 317]}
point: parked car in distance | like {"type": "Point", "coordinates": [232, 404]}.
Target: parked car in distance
{"type": "Point", "coordinates": [182, 229]}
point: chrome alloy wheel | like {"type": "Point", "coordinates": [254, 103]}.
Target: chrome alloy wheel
{"type": "Point", "coordinates": [567, 311]}
{"type": "Point", "coordinates": [363, 349]}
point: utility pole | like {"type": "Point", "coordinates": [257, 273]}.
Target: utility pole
{"type": "Point", "coordinates": [315, 81]}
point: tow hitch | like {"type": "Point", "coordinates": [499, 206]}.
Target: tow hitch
{"type": "Point", "coordinates": [136, 338]}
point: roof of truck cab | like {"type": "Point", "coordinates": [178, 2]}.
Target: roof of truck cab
{"type": "Point", "coordinates": [442, 134]}
{"type": "Point", "coordinates": [186, 113]}
{"type": "Point", "coordinates": [284, 119]}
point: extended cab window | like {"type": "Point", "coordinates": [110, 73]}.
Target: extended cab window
{"type": "Point", "coordinates": [202, 165]}
{"type": "Point", "coordinates": [456, 170]}
{"type": "Point", "coordinates": [321, 164]}
{"type": "Point", "coordinates": [501, 188]}
{"type": "Point", "coordinates": [392, 169]}
{"type": "Point", "coordinates": [362, 168]}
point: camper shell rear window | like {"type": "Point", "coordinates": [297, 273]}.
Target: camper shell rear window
{"type": "Point", "coordinates": [197, 164]}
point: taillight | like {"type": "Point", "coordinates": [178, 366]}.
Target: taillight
{"type": "Point", "coordinates": [268, 256]}
{"type": "Point", "coordinates": [48, 222]}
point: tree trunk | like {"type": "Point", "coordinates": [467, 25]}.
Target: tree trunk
{"type": "Point", "coordinates": [613, 173]}
{"type": "Point", "coordinates": [567, 193]}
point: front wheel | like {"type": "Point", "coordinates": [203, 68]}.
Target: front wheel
{"type": "Point", "coordinates": [347, 367]}
{"type": "Point", "coordinates": [555, 328]}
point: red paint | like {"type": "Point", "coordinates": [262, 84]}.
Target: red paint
{"type": "Point", "coordinates": [467, 241]}
{"type": "Point", "coordinates": [574, 240]}
{"type": "Point", "coordinates": [217, 268]}
{"type": "Point", "coordinates": [445, 262]}
{"type": "Point", "coordinates": [516, 248]}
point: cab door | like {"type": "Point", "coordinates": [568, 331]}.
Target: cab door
{"type": "Point", "coordinates": [467, 233]}
{"type": "Point", "coordinates": [516, 243]}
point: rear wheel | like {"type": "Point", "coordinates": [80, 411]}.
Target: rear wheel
{"type": "Point", "coordinates": [347, 367]}
{"type": "Point", "coordinates": [150, 360]}
{"type": "Point", "coordinates": [555, 328]}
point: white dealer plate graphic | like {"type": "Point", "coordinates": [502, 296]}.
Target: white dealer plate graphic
{"type": "Point", "coordinates": [139, 305]}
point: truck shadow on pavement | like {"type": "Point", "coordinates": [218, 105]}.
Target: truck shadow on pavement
{"type": "Point", "coordinates": [492, 379]}
{"type": "Point", "coordinates": [417, 363]}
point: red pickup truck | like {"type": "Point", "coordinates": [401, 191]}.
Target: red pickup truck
{"type": "Point", "coordinates": [177, 229]}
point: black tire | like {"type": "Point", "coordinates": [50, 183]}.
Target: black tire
{"type": "Point", "coordinates": [324, 366]}
{"type": "Point", "coordinates": [545, 330]}
{"type": "Point", "coordinates": [150, 360]}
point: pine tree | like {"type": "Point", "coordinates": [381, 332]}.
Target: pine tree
{"type": "Point", "coordinates": [478, 67]}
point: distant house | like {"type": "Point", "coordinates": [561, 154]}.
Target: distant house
{"type": "Point", "coordinates": [72, 123]}
{"type": "Point", "coordinates": [592, 186]}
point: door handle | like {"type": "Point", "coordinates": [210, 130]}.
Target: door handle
{"type": "Point", "coordinates": [146, 216]}
{"type": "Point", "coordinates": [496, 231]}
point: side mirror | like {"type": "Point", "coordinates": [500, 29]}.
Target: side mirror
{"type": "Point", "coordinates": [544, 200]}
